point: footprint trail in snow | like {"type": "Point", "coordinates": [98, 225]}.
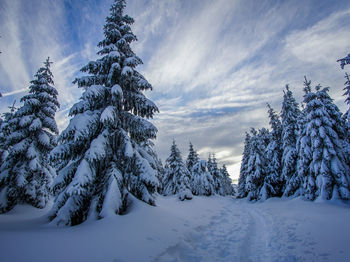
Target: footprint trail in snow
{"type": "Point", "coordinates": [244, 232]}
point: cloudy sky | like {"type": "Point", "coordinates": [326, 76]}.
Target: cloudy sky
{"type": "Point", "coordinates": [214, 64]}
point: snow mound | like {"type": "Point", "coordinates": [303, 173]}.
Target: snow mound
{"type": "Point", "coordinates": [203, 229]}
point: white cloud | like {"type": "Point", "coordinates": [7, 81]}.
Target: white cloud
{"type": "Point", "coordinates": [30, 37]}
{"type": "Point", "coordinates": [152, 20]}
{"type": "Point", "coordinates": [188, 47]}
{"type": "Point", "coordinates": [11, 60]}
{"type": "Point", "coordinates": [323, 42]}
{"type": "Point", "coordinates": [205, 46]}
{"type": "Point", "coordinates": [206, 84]}
{"type": "Point", "coordinates": [213, 64]}
{"type": "Point", "coordinates": [15, 92]}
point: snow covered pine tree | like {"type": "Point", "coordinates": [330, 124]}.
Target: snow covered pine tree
{"type": "Point", "coordinates": [347, 100]}
{"type": "Point", "coordinates": [326, 174]}
{"type": "Point", "coordinates": [294, 186]}
{"type": "Point", "coordinates": [216, 174]}
{"type": "Point", "coordinates": [177, 176]}
{"type": "Point", "coordinates": [290, 115]}
{"type": "Point", "coordinates": [343, 62]}
{"type": "Point", "coordinates": [243, 173]}
{"type": "Point", "coordinates": [192, 157]}
{"type": "Point", "coordinates": [5, 131]}
{"type": "Point", "coordinates": [26, 175]}
{"type": "Point", "coordinates": [202, 182]}
{"type": "Point", "coordinates": [273, 181]}
{"type": "Point", "coordinates": [103, 159]}
{"type": "Point", "coordinates": [227, 181]}
{"type": "Point", "coordinates": [257, 163]}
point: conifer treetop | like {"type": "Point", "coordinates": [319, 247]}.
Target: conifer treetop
{"type": "Point", "coordinates": [307, 85]}
{"type": "Point", "coordinates": [344, 61]}
{"type": "Point", "coordinates": [192, 157]}
{"type": "Point", "coordinates": [275, 122]}
{"type": "Point", "coordinates": [175, 154]}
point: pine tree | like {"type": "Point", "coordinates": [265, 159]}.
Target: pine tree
{"type": "Point", "coordinates": [337, 158]}
{"type": "Point", "coordinates": [160, 174]}
{"type": "Point", "coordinates": [340, 125]}
{"type": "Point", "coordinates": [5, 131]}
{"type": "Point", "coordinates": [155, 162]}
{"type": "Point", "coordinates": [295, 183]}
{"type": "Point", "coordinates": [2, 139]}
{"type": "Point", "coordinates": [290, 114]}
{"type": "Point", "coordinates": [202, 182]}
{"type": "Point", "coordinates": [192, 158]}
{"type": "Point", "coordinates": [244, 167]}
{"type": "Point", "coordinates": [26, 175]}
{"type": "Point", "coordinates": [346, 116]}
{"type": "Point", "coordinates": [104, 159]}
{"type": "Point", "coordinates": [257, 163]}
{"type": "Point", "coordinates": [177, 177]}
{"type": "Point", "coordinates": [326, 176]}
{"type": "Point", "coordinates": [307, 172]}
{"type": "Point", "coordinates": [216, 174]}
{"type": "Point", "coordinates": [210, 163]}
{"type": "Point", "coordinates": [227, 181]}
{"type": "Point", "coordinates": [273, 181]}
{"type": "Point", "coordinates": [347, 100]}
{"type": "Point", "coordinates": [345, 61]}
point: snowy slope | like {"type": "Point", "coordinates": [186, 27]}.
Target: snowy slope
{"type": "Point", "coordinates": [203, 229]}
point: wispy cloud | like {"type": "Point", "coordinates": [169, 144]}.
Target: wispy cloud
{"type": "Point", "coordinates": [15, 92]}
{"type": "Point", "coordinates": [213, 64]}
{"type": "Point", "coordinates": [11, 63]}
{"type": "Point", "coordinates": [322, 43]}
{"type": "Point", "coordinates": [226, 83]}
{"type": "Point", "coordinates": [32, 31]}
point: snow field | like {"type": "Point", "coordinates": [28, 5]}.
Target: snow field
{"type": "Point", "coordinates": [203, 229]}
{"type": "Point", "coordinates": [276, 230]}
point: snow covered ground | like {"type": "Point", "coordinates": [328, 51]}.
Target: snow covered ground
{"type": "Point", "coordinates": [203, 229]}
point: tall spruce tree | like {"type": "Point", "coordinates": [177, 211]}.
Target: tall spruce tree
{"type": "Point", "coordinates": [295, 184]}
{"type": "Point", "coordinates": [327, 175]}
{"type": "Point", "coordinates": [26, 175]}
{"type": "Point", "coordinates": [273, 181]}
{"type": "Point", "coordinates": [347, 100]}
{"type": "Point", "coordinates": [5, 131]}
{"type": "Point", "coordinates": [244, 167]}
{"type": "Point", "coordinates": [202, 182]}
{"type": "Point", "coordinates": [177, 177]}
{"type": "Point", "coordinates": [2, 141]}
{"type": "Point", "coordinates": [345, 61]}
{"type": "Point", "coordinates": [346, 116]}
{"type": "Point", "coordinates": [340, 125]}
{"type": "Point", "coordinates": [104, 159]}
{"type": "Point", "coordinates": [290, 114]}
{"type": "Point", "coordinates": [338, 147]}
{"type": "Point", "coordinates": [257, 163]}
{"type": "Point", "coordinates": [216, 174]}
{"type": "Point", "coordinates": [227, 181]}
{"type": "Point", "coordinates": [155, 162]}
{"type": "Point", "coordinates": [160, 174]}
{"type": "Point", "coordinates": [192, 158]}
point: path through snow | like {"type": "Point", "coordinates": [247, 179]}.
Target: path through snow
{"type": "Point", "coordinates": [203, 229]}
{"type": "Point", "coordinates": [243, 231]}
